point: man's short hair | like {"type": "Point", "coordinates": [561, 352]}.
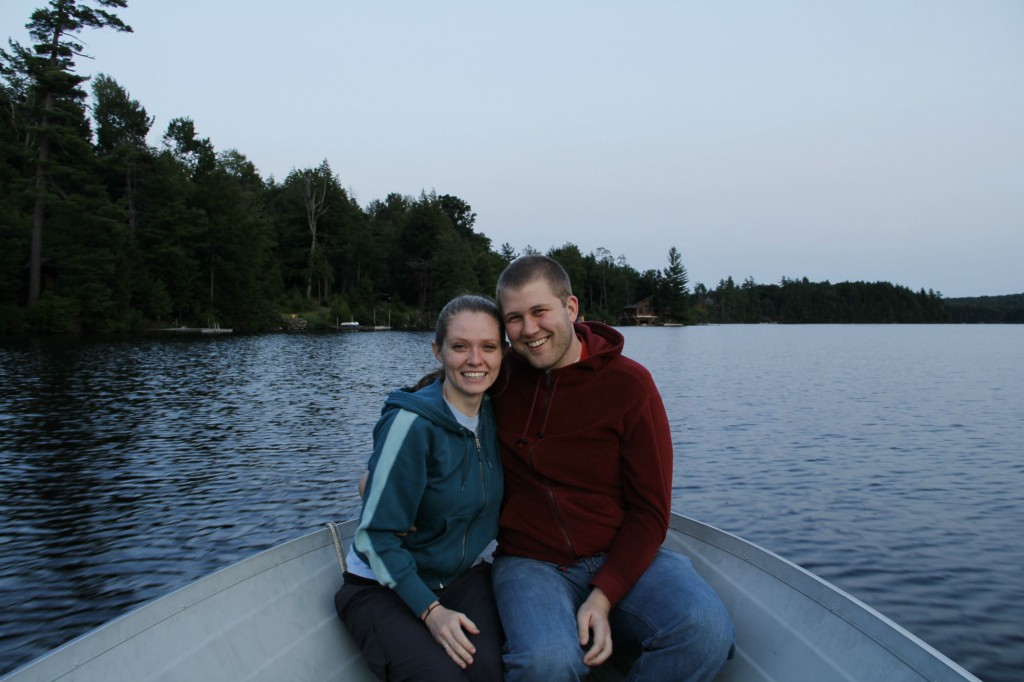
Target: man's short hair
{"type": "Point", "coordinates": [525, 269]}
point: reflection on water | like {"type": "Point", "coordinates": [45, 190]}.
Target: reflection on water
{"type": "Point", "coordinates": [886, 459]}
{"type": "Point", "coordinates": [130, 468]}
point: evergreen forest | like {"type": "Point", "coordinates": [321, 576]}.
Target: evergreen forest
{"type": "Point", "coordinates": [102, 232]}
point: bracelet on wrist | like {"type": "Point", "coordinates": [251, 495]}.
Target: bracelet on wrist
{"type": "Point", "coordinates": [429, 609]}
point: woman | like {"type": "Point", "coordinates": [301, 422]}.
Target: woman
{"type": "Point", "coordinates": [419, 605]}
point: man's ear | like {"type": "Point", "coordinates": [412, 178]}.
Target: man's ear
{"type": "Point", "coordinates": [572, 304]}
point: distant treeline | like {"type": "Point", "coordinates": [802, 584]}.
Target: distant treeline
{"type": "Point", "coordinates": [802, 302]}
{"type": "Point", "coordinates": [987, 309]}
{"type": "Point", "coordinates": [101, 232]}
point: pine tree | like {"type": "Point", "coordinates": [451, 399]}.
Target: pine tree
{"type": "Point", "coordinates": [54, 105]}
{"type": "Point", "coordinates": [674, 300]}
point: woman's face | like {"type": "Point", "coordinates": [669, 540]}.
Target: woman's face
{"type": "Point", "coordinates": [471, 356]}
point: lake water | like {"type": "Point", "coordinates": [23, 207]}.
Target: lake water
{"type": "Point", "coordinates": [886, 459]}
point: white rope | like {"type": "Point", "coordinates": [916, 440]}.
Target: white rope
{"type": "Point", "coordinates": [338, 545]}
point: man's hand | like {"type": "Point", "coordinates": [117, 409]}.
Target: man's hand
{"type": "Point", "coordinates": [594, 629]}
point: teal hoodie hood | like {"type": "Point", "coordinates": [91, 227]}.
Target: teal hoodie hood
{"type": "Point", "coordinates": [428, 471]}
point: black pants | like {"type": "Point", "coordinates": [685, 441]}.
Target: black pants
{"type": "Point", "coordinates": [399, 647]}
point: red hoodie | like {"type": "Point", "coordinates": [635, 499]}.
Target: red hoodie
{"type": "Point", "coordinates": [587, 455]}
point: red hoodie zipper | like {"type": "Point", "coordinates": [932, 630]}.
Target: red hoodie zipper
{"type": "Point", "coordinates": [550, 488]}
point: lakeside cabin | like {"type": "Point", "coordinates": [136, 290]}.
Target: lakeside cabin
{"type": "Point", "coordinates": [640, 313]}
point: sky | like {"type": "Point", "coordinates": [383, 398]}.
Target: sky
{"type": "Point", "coordinates": [878, 140]}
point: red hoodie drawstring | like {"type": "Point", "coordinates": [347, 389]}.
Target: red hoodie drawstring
{"type": "Point", "coordinates": [533, 404]}
{"type": "Point", "coordinates": [526, 427]}
{"type": "Point", "coordinates": [547, 407]}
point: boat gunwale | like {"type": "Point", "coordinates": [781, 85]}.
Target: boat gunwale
{"type": "Point", "coordinates": [97, 641]}
{"type": "Point", "coordinates": [921, 657]}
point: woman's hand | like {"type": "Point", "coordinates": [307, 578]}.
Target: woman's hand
{"type": "Point", "coordinates": [449, 629]}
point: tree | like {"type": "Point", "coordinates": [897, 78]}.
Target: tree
{"type": "Point", "coordinates": [604, 263]}
{"type": "Point", "coordinates": [419, 240]}
{"type": "Point", "coordinates": [190, 162]}
{"type": "Point", "coordinates": [460, 213]}
{"type": "Point", "coordinates": [121, 128]}
{"type": "Point", "coordinates": [453, 267]}
{"type": "Point", "coordinates": [727, 300]}
{"type": "Point", "coordinates": [170, 240]}
{"type": "Point", "coordinates": [122, 125]}
{"type": "Point", "coordinates": [121, 122]}
{"type": "Point", "coordinates": [380, 239]}
{"type": "Point", "coordinates": [16, 197]}
{"type": "Point", "coordinates": [674, 301]}
{"type": "Point", "coordinates": [194, 153]}
{"type": "Point", "coordinates": [508, 253]}
{"type": "Point", "coordinates": [241, 240]}
{"type": "Point", "coordinates": [56, 103]}
{"type": "Point", "coordinates": [321, 237]}
{"type": "Point", "coordinates": [648, 284]}
{"type": "Point", "coordinates": [314, 195]}
{"type": "Point", "coordinates": [485, 268]}
{"type": "Point", "coordinates": [569, 257]}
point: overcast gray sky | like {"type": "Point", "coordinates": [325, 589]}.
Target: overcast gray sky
{"type": "Point", "coordinates": [861, 141]}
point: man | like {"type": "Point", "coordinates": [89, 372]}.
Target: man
{"type": "Point", "coordinates": [587, 453]}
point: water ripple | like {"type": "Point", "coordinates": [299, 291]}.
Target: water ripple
{"type": "Point", "coordinates": [885, 459]}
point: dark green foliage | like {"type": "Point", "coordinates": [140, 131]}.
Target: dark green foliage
{"type": "Point", "coordinates": [54, 315]}
{"type": "Point", "coordinates": [16, 195]}
{"type": "Point", "coordinates": [989, 309]}
{"type": "Point", "coordinates": [508, 253]}
{"type": "Point", "coordinates": [48, 110]}
{"type": "Point", "coordinates": [239, 244]}
{"type": "Point", "coordinates": [121, 122]}
{"type": "Point", "coordinates": [673, 301]}
{"type": "Point", "coordinates": [803, 301]}
{"type": "Point", "coordinates": [141, 237]}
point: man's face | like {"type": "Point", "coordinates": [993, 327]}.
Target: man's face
{"type": "Point", "coordinates": [538, 325]}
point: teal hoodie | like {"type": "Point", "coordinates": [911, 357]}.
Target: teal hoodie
{"type": "Point", "coordinates": [428, 471]}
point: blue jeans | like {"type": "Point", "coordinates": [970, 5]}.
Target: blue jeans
{"type": "Point", "coordinates": [671, 619]}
